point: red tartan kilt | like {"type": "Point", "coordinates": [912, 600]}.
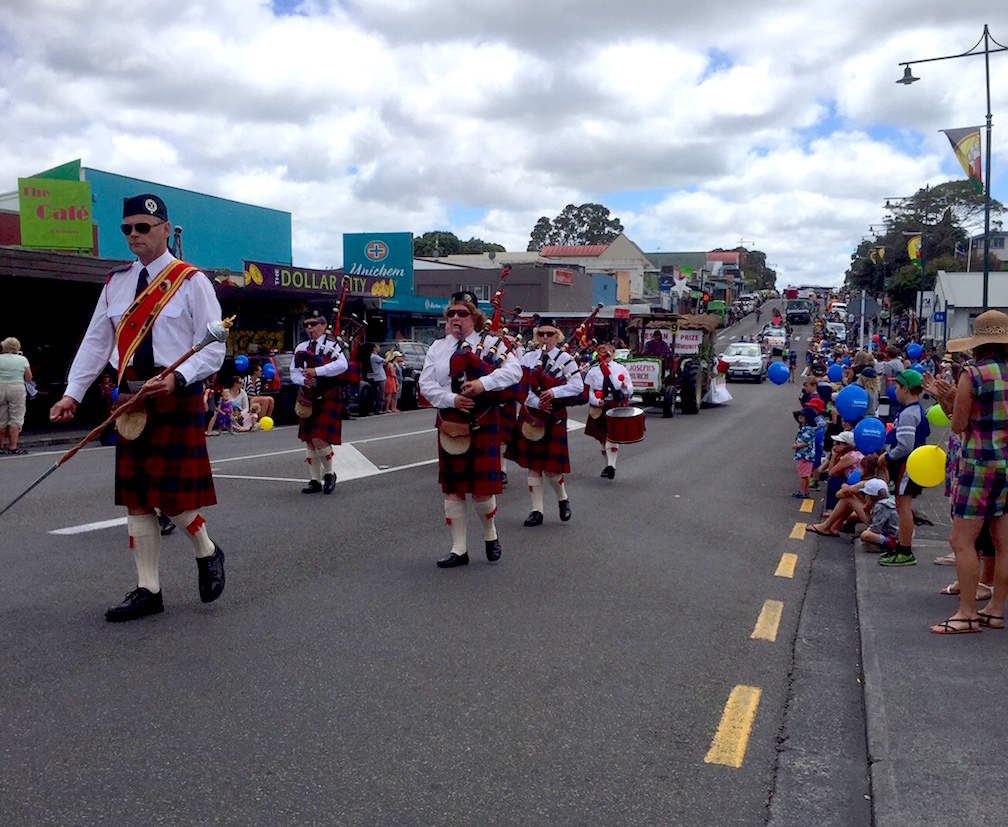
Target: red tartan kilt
{"type": "Point", "coordinates": [508, 416]}
{"type": "Point", "coordinates": [598, 428]}
{"type": "Point", "coordinates": [167, 466]}
{"type": "Point", "coordinates": [325, 422]}
{"type": "Point", "coordinates": [549, 455]}
{"type": "Point", "coordinates": [478, 470]}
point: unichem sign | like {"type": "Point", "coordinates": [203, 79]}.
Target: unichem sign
{"type": "Point", "coordinates": [380, 256]}
{"type": "Point", "coordinates": [55, 215]}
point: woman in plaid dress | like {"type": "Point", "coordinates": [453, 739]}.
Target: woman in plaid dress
{"type": "Point", "coordinates": [469, 459]}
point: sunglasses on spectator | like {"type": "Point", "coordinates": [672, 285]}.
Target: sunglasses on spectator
{"type": "Point", "coordinates": [460, 313]}
{"type": "Point", "coordinates": [142, 227]}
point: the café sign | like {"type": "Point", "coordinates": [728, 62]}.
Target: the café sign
{"type": "Point", "coordinates": [285, 277]}
{"type": "Point", "coordinates": [55, 214]}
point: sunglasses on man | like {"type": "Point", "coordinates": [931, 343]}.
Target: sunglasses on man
{"type": "Point", "coordinates": [462, 314]}
{"type": "Point", "coordinates": [142, 227]}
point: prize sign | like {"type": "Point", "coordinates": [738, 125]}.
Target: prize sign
{"type": "Point", "coordinates": [55, 214]}
{"type": "Point", "coordinates": [645, 374]}
{"type": "Point", "coordinates": [688, 342]}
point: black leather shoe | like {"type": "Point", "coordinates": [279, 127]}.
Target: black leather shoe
{"type": "Point", "coordinates": [533, 519]}
{"type": "Point", "coordinates": [167, 526]}
{"type": "Point", "coordinates": [453, 560]}
{"type": "Point", "coordinates": [330, 484]}
{"type": "Point", "coordinates": [314, 486]}
{"type": "Point", "coordinates": [605, 473]}
{"type": "Point", "coordinates": [609, 472]}
{"type": "Point", "coordinates": [503, 477]}
{"type": "Point", "coordinates": [565, 512]}
{"type": "Point", "coordinates": [211, 575]}
{"type": "Point", "coordinates": [138, 603]}
{"type": "Point", "coordinates": [493, 550]}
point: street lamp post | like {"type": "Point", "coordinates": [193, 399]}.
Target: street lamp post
{"type": "Point", "coordinates": [908, 78]}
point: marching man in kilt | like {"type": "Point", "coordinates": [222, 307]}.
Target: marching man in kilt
{"type": "Point", "coordinates": [148, 316]}
{"type": "Point", "coordinates": [539, 440]}
{"type": "Point", "coordinates": [469, 460]}
{"type": "Point", "coordinates": [609, 386]}
{"type": "Point", "coordinates": [315, 365]}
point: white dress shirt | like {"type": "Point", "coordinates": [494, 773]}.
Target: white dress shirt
{"type": "Point", "coordinates": [595, 378]}
{"type": "Point", "coordinates": [435, 378]}
{"type": "Point", "coordinates": [181, 324]}
{"type": "Point", "coordinates": [558, 359]}
{"type": "Point", "coordinates": [324, 347]}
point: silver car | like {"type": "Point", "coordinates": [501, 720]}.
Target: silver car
{"type": "Point", "coordinates": [745, 360]}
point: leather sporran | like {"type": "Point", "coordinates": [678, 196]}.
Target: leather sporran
{"type": "Point", "coordinates": [532, 428]}
{"type": "Point", "coordinates": [455, 437]}
{"type": "Point", "coordinates": [594, 412]}
{"type": "Point", "coordinates": [130, 425]}
{"type": "Point", "coordinates": [303, 405]}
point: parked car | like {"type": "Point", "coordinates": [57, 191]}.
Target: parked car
{"type": "Point", "coordinates": [745, 360]}
{"type": "Point", "coordinates": [414, 354]}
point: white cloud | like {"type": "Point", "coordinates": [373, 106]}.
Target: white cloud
{"type": "Point", "coordinates": [775, 124]}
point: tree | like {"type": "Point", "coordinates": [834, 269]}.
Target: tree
{"type": "Point", "coordinates": [958, 197]}
{"type": "Point", "coordinates": [443, 243]}
{"type": "Point", "coordinates": [587, 224]}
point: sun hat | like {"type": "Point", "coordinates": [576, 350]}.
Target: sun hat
{"type": "Point", "coordinates": [844, 438]}
{"type": "Point", "coordinates": [910, 379]}
{"type": "Point", "coordinates": [876, 488]}
{"type": "Point", "coordinates": [990, 328]}
{"type": "Point", "coordinates": [809, 414]}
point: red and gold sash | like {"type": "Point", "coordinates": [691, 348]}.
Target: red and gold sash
{"type": "Point", "coordinates": [139, 317]}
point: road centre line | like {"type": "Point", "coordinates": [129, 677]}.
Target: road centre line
{"type": "Point", "coordinates": [786, 567]}
{"type": "Point", "coordinates": [798, 532]}
{"type": "Point", "coordinates": [375, 473]}
{"type": "Point", "coordinates": [83, 529]}
{"type": "Point", "coordinates": [768, 621]}
{"type": "Point", "coordinates": [732, 737]}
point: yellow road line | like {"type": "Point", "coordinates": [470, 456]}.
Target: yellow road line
{"type": "Point", "coordinates": [768, 621]}
{"type": "Point", "coordinates": [787, 565]}
{"type": "Point", "coordinates": [798, 532]}
{"type": "Point", "coordinates": [732, 736]}
{"type": "Point", "coordinates": [807, 506]}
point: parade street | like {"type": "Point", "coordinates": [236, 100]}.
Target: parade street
{"type": "Point", "coordinates": [632, 666]}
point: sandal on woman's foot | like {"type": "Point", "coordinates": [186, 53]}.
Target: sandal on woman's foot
{"type": "Point", "coordinates": [965, 626]}
{"type": "Point", "coordinates": [945, 560]}
{"type": "Point", "coordinates": [811, 528]}
{"type": "Point", "coordinates": [952, 589]}
{"type": "Point", "coordinates": [991, 621]}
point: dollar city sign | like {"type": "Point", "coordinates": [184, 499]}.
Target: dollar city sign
{"type": "Point", "coordinates": [285, 277]}
{"type": "Point", "coordinates": [55, 214]}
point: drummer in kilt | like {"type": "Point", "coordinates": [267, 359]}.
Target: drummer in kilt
{"type": "Point", "coordinates": [469, 460]}
{"type": "Point", "coordinates": [150, 313]}
{"type": "Point", "coordinates": [314, 367]}
{"type": "Point", "coordinates": [609, 386]}
{"type": "Point", "coordinates": [539, 440]}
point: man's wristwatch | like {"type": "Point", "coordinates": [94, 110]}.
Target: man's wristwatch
{"type": "Point", "coordinates": [180, 380]}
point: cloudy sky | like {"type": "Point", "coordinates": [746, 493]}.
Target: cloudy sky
{"type": "Point", "coordinates": [776, 124]}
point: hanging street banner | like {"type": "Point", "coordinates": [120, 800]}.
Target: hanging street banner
{"type": "Point", "coordinates": [285, 277]}
{"type": "Point", "coordinates": [914, 248]}
{"type": "Point", "coordinates": [55, 214]}
{"type": "Point", "coordinates": [385, 256]}
{"type": "Point", "coordinates": [966, 143]}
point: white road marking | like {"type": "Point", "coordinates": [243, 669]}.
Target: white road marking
{"type": "Point", "coordinates": [82, 529]}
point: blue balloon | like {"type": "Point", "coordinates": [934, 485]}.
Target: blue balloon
{"type": "Point", "coordinates": [115, 394]}
{"type": "Point", "coordinates": [241, 363]}
{"type": "Point", "coordinates": [891, 393]}
{"type": "Point", "coordinates": [830, 362]}
{"type": "Point", "coordinates": [835, 373]}
{"type": "Point", "coordinates": [778, 373]}
{"type": "Point", "coordinates": [845, 361]}
{"type": "Point", "coordinates": [914, 352]}
{"type": "Point", "coordinates": [268, 371]}
{"type": "Point", "coordinates": [869, 435]}
{"type": "Point", "coordinates": [851, 403]}
{"type": "Point", "coordinates": [854, 477]}
{"type": "Point", "coordinates": [874, 345]}
{"type": "Point", "coordinates": [917, 366]}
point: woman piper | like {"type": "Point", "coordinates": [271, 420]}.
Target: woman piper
{"type": "Point", "coordinates": [609, 386]}
{"type": "Point", "coordinates": [468, 436]}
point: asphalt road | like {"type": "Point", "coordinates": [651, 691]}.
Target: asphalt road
{"type": "Point", "coordinates": [343, 679]}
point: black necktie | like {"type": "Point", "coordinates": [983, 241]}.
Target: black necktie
{"type": "Point", "coordinates": [143, 357]}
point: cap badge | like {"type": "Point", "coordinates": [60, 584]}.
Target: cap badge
{"type": "Point", "coordinates": [150, 205]}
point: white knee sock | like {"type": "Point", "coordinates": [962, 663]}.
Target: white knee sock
{"type": "Point", "coordinates": [556, 481]}
{"type": "Point", "coordinates": [611, 450]}
{"type": "Point", "coordinates": [535, 489]}
{"type": "Point", "coordinates": [195, 527]}
{"type": "Point", "coordinates": [314, 466]}
{"type": "Point", "coordinates": [487, 510]}
{"type": "Point", "coordinates": [455, 516]}
{"type": "Point", "coordinates": [325, 456]}
{"type": "Point", "coordinates": [145, 543]}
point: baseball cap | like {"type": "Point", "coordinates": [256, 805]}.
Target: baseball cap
{"type": "Point", "coordinates": [910, 379]}
{"type": "Point", "coordinates": [844, 437]}
{"type": "Point", "coordinates": [816, 403]}
{"type": "Point", "coordinates": [876, 488]}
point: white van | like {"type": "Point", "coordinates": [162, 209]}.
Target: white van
{"type": "Point", "coordinates": [838, 329]}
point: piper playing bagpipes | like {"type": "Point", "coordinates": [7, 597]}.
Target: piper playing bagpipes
{"type": "Point", "coordinates": [150, 316]}
{"type": "Point", "coordinates": [609, 386]}
{"type": "Point", "coordinates": [539, 442]}
{"type": "Point", "coordinates": [317, 367]}
{"type": "Point", "coordinates": [461, 375]}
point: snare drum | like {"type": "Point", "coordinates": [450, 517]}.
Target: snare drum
{"type": "Point", "coordinates": [625, 425]}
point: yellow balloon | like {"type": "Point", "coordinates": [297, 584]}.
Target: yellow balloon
{"type": "Point", "coordinates": [926, 466]}
{"type": "Point", "coordinates": [266, 423]}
